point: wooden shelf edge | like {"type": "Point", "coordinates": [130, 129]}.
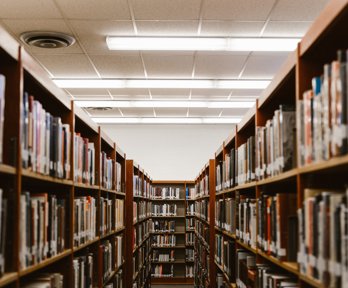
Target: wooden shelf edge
{"type": "Point", "coordinates": [85, 186]}
{"type": "Point", "coordinates": [34, 175]}
{"type": "Point", "coordinates": [289, 266]}
{"type": "Point", "coordinates": [324, 165]}
{"type": "Point", "coordinates": [281, 177]}
{"type": "Point", "coordinates": [7, 169]}
{"type": "Point", "coordinates": [45, 263]}
{"type": "Point", "coordinates": [8, 278]}
{"type": "Point", "coordinates": [246, 246]}
{"type": "Point", "coordinates": [75, 249]}
{"type": "Point", "coordinates": [311, 281]}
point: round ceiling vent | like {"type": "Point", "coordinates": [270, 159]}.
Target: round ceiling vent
{"type": "Point", "coordinates": [47, 40]}
{"type": "Point", "coordinates": [99, 108]}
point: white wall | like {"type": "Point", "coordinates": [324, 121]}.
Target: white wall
{"type": "Point", "coordinates": [169, 152]}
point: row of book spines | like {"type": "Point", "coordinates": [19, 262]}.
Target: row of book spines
{"type": "Point", "coordinates": [202, 186]}
{"type": "Point", "coordinates": [42, 225]}
{"type": "Point", "coordinates": [322, 235]}
{"type": "Point", "coordinates": [322, 114]}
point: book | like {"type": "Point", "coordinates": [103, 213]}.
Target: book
{"type": "Point", "coordinates": [83, 271]}
{"type": "Point", "coordinates": [45, 280]}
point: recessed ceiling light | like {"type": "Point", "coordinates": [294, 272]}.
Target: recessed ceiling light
{"type": "Point", "coordinates": [201, 44]}
{"type": "Point", "coordinates": [165, 120]}
{"type": "Point", "coordinates": [163, 104]}
{"type": "Point", "coordinates": [161, 83]}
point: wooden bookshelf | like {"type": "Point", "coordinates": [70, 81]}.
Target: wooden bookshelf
{"type": "Point", "coordinates": [138, 248]}
{"type": "Point", "coordinates": [24, 74]}
{"type": "Point", "coordinates": [317, 48]}
{"type": "Point", "coordinates": [180, 233]}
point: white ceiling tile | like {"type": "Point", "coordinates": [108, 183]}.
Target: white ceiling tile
{"type": "Point", "coordinates": [171, 112]}
{"type": "Point", "coordinates": [209, 97]}
{"type": "Point", "coordinates": [114, 112]}
{"type": "Point", "coordinates": [286, 28]}
{"type": "Point", "coordinates": [91, 9]}
{"type": "Point", "coordinates": [231, 28]}
{"type": "Point", "coordinates": [166, 9]}
{"type": "Point", "coordinates": [246, 10]}
{"type": "Point", "coordinates": [70, 65]}
{"type": "Point", "coordinates": [306, 10]}
{"type": "Point", "coordinates": [211, 92]}
{"type": "Point", "coordinates": [218, 66]}
{"type": "Point", "coordinates": [129, 92]}
{"type": "Point", "coordinates": [92, 34]}
{"type": "Point", "coordinates": [114, 66]}
{"type": "Point", "coordinates": [20, 26]}
{"type": "Point", "coordinates": [92, 97]}
{"type": "Point", "coordinates": [29, 9]}
{"type": "Point", "coordinates": [131, 97]}
{"type": "Point", "coordinates": [170, 94]}
{"type": "Point", "coordinates": [137, 112]}
{"type": "Point", "coordinates": [168, 65]}
{"type": "Point", "coordinates": [245, 92]}
{"type": "Point", "coordinates": [204, 112]}
{"type": "Point", "coordinates": [263, 66]}
{"type": "Point", "coordinates": [87, 92]}
{"type": "Point", "coordinates": [233, 112]}
{"type": "Point", "coordinates": [167, 28]}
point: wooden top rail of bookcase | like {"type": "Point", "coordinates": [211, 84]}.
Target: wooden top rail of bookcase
{"type": "Point", "coordinates": [247, 118]}
{"type": "Point", "coordinates": [8, 44]}
{"type": "Point", "coordinates": [40, 75]}
{"type": "Point", "coordinates": [219, 151]}
{"type": "Point", "coordinates": [320, 26]}
{"type": "Point", "coordinates": [82, 115]}
{"type": "Point", "coordinates": [278, 79]}
{"type": "Point", "coordinates": [106, 138]}
{"type": "Point", "coordinates": [230, 137]}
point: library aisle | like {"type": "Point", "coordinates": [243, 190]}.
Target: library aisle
{"type": "Point", "coordinates": [268, 209]}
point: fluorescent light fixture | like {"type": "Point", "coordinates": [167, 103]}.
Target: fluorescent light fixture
{"type": "Point", "coordinates": [164, 104]}
{"type": "Point", "coordinates": [161, 83]}
{"type": "Point", "coordinates": [165, 120]}
{"type": "Point", "coordinates": [201, 44]}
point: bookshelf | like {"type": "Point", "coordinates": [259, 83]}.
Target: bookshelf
{"type": "Point", "coordinates": [169, 237]}
{"type": "Point", "coordinates": [294, 176]}
{"type": "Point", "coordinates": [52, 179]}
{"type": "Point", "coordinates": [138, 219]}
{"type": "Point", "coordinates": [204, 267]}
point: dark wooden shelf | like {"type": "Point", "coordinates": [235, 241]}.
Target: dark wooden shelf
{"type": "Point", "coordinates": [8, 278]}
{"type": "Point", "coordinates": [46, 178]}
{"type": "Point", "coordinates": [7, 169]}
{"type": "Point", "coordinates": [44, 263]}
{"type": "Point", "coordinates": [86, 186]}
{"type": "Point", "coordinates": [75, 249]}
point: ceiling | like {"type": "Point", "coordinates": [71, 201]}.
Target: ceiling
{"type": "Point", "coordinates": [91, 21]}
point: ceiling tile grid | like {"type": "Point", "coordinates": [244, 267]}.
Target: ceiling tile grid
{"type": "Point", "coordinates": [91, 21]}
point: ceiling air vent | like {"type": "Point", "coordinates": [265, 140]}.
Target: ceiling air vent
{"type": "Point", "coordinates": [47, 40]}
{"type": "Point", "coordinates": [99, 108]}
